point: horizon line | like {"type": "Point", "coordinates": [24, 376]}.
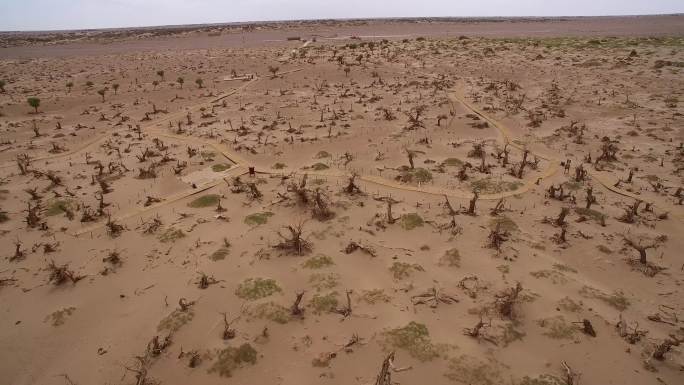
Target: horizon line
{"type": "Point", "coordinates": [385, 18]}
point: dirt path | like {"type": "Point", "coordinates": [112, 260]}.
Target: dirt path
{"type": "Point", "coordinates": [241, 166]}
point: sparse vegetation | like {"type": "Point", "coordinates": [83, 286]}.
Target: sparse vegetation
{"type": "Point", "coordinates": [319, 197]}
{"type": "Point", "coordinates": [232, 358]}
{"type": "Point", "coordinates": [257, 219]}
{"type": "Point", "coordinates": [209, 200]}
{"type": "Point", "coordinates": [257, 288]}
{"type": "Point", "coordinates": [414, 338]}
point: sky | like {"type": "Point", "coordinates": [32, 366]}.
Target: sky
{"type": "Point", "coordinates": [23, 15]}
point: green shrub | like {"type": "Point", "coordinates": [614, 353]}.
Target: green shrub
{"type": "Point", "coordinates": [410, 221]}
{"type": "Point", "coordinates": [205, 201]}
{"type": "Point", "coordinates": [257, 288]}
{"type": "Point", "coordinates": [318, 262]}
{"type": "Point", "coordinates": [219, 167]}
{"type": "Point", "coordinates": [231, 358]}
{"type": "Point", "coordinates": [414, 338]}
{"type": "Point", "coordinates": [257, 219]}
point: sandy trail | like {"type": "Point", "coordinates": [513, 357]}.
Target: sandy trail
{"type": "Point", "coordinates": [241, 165]}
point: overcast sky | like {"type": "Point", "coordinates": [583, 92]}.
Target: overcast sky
{"type": "Point", "coordinates": [78, 14]}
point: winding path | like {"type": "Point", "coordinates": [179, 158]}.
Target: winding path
{"type": "Point", "coordinates": [241, 164]}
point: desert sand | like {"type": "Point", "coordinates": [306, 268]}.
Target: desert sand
{"type": "Point", "coordinates": [474, 202]}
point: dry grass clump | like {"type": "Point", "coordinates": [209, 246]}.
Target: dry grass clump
{"type": "Point", "coordinates": [209, 200]}
{"type": "Point", "coordinates": [175, 320]}
{"type": "Point", "coordinates": [617, 299]}
{"type": "Point", "coordinates": [270, 311]}
{"type": "Point", "coordinates": [233, 358]}
{"type": "Point", "coordinates": [414, 338]}
{"type": "Point", "coordinates": [220, 254]}
{"type": "Point", "coordinates": [401, 270]}
{"type": "Point", "coordinates": [171, 235]}
{"type": "Point", "coordinates": [59, 317]}
{"type": "Point", "coordinates": [492, 186]}
{"type": "Point", "coordinates": [414, 175]}
{"type": "Point", "coordinates": [374, 296]}
{"type": "Point", "coordinates": [220, 167]}
{"type": "Point", "coordinates": [322, 281]}
{"type": "Point", "coordinates": [470, 370]}
{"type": "Point", "coordinates": [318, 262]}
{"type": "Point", "coordinates": [257, 219]}
{"type": "Point", "coordinates": [324, 303]}
{"type": "Point", "coordinates": [256, 288]}
{"type": "Point", "coordinates": [61, 274]}
{"type": "Point", "coordinates": [410, 221]}
{"type": "Point", "coordinates": [544, 379]}
{"type": "Point", "coordinates": [557, 328]}
{"type": "Point", "coordinates": [451, 257]}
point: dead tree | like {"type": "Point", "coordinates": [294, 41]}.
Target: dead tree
{"type": "Point", "coordinates": [503, 155]}
{"type": "Point", "coordinates": [665, 346]}
{"type": "Point", "coordinates": [87, 214]}
{"type": "Point", "coordinates": [205, 281]}
{"type": "Point", "coordinates": [300, 190]}
{"type": "Point", "coordinates": [151, 200]}
{"type": "Point", "coordinates": [295, 310]}
{"type": "Point", "coordinates": [253, 191]}
{"type": "Point", "coordinates": [507, 300]}
{"type": "Point", "coordinates": [33, 192]}
{"type": "Point", "coordinates": [560, 220]}
{"type": "Point", "coordinates": [390, 202]}
{"type": "Point", "coordinates": [608, 151]}
{"type": "Point", "coordinates": [113, 258]}
{"type": "Point", "coordinates": [353, 246]}
{"type": "Point", "coordinates": [347, 310]}
{"type": "Point", "coordinates": [55, 180]}
{"type": "Point", "coordinates": [33, 213]}
{"type": "Point", "coordinates": [143, 156]}
{"type": "Point", "coordinates": [179, 167]}
{"type": "Point", "coordinates": [321, 211]}
{"type": "Point", "coordinates": [580, 173]}
{"type": "Point", "coordinates": [641, 247]}
{"type": "Point", "coordinates": [498, 208]}
{"type": "Point", "coordinates": [61, 274]}
{"type": "Point", "coordinates": [113, 229]}
{"type": "Point", "coordinates": [151, 226]}
{"type": "Point", "coordinates": [228, 330]}
{"type": "Point", "coordinates": [477, 151]}
{"type": "Point", "coordinates": [410, 154]}
{"type": "Point", "coordinates": [147, 173]}
{"type": "Point", "coordinates": [560, 238]}
{"type": "Point", "coordinates": [385, 375]}
{"type": "Point", "coordinates": [631, 213]}
{"type": "Point", "coordinates": [587, 327]}
{"type": "Point", "coordinates": [23, 162]}
{"type": "Point", "coordinates": [352, 188]}
{"type": "Point", "coordinates": [571, 377]}
{"type": "Point", "coordinates": [433, 297]}
{"type": "Point", "coordinates": [497, 237]}
{"type": "Point", "coordinates": [463, 171]}
{"type": "Point", "coordinates": [452, 225]}
{"type": "Point", "coordinates": [219, 208]}
{"type": "Point", "coordinates": [521, 168]}
{"type": "Point", "coordinates": [591, 199]}
{"type": "Point", "coordinates": [473, 200]}
{"type": "Point", "coordinates": [475, 331]}
{"type": "Point", "coordinates": [415, 117]}
{"type": "Point", "coordinates": [294, 243]}
{"type": "Point", "coordinates": [18, 252]}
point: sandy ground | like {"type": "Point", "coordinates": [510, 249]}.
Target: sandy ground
{"type": "Point", "coordinates": [439, 209]}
